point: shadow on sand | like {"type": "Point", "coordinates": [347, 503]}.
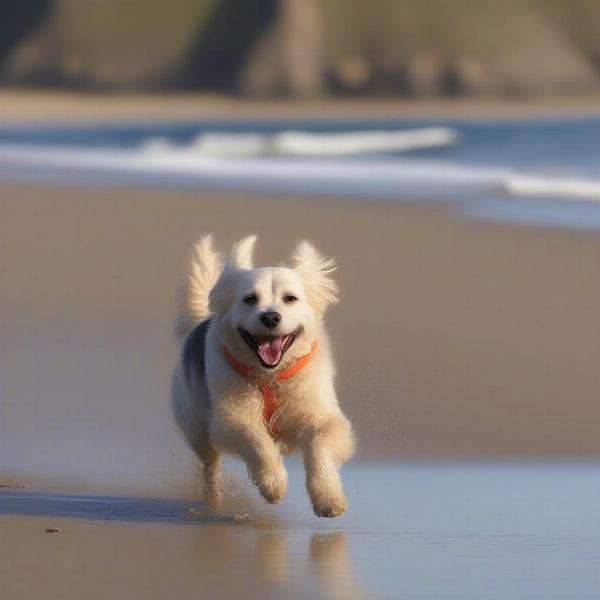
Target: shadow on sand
{"type": "Point", "coordinates": [107, 508]}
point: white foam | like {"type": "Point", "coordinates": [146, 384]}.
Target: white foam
{"type": "Point", "coordinates": [299, 143]}
{"type": "Point", "coordinates": [550, 187]}
{"type": "Point", "coordinates": [227, 145]}
{"type": "Point", "coordinates": [255, 172]}
{"type": "Point", "coordinates": [344, 144]}
{"type": "Point", "coordinates": [390, 178]}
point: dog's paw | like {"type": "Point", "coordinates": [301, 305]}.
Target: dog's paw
{"type": "Point", "coordinates": [332, 507]}
{"type": "Point", "coordinates": [272, 484]}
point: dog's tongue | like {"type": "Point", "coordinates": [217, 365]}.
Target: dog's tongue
{"type": "Point", "coordinates": [270, 349]}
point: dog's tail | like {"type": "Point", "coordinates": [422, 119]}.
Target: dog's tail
{"type": "Point", "coordinates": [193, 299]}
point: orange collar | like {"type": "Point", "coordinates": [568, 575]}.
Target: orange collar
{"type": "Point", "coordinates": [268, 392]}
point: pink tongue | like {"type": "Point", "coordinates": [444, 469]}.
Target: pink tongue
{"type": "Point", "coordinates": [270, 350]}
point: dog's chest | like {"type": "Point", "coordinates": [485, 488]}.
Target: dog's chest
{"type": "Point", "coordinates": [286, 407]}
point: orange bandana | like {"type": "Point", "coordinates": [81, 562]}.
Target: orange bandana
{"type": "Point", "coordinates": [268, 392]}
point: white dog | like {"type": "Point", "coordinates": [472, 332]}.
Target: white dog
{"type": "Point", "coordinates": [256, 375]}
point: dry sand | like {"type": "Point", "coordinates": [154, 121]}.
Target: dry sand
{"type": "Point", "coordinates": [455, 339]}
{"type": "Point", "coordinates": [39, 106]}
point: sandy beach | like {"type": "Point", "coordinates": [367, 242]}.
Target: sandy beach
{"type": "Point", "coordinates": [457, 341]}
{"type": "Point", "coordinates": [19, 106]}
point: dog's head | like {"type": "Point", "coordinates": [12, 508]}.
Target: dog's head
{"type": "Point", "coordinates": [272, 314]}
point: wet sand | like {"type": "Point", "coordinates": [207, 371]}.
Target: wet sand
{"type": "Point", "coordinates": [457, 341]}
{"type": "Point", "coordinates": [412, 532]}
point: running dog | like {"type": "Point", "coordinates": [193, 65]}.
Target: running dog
{"type": "Point", "coordinates": [256, 376]}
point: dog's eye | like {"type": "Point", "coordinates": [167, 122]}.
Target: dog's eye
{"type": "Point", "coordinates": [288, 298]}
{"type": "Point", "coordinates": [250, 299]}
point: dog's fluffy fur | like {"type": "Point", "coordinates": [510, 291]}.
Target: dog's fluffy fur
{"type": "Point", "coordinates": [220, 410]}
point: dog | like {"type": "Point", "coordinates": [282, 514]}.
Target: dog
{"type": "Point", "coordinates": [256, 377]}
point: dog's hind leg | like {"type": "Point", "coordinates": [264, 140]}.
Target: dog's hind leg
{"type": "Point", "coordinates": [194, 425]}
{"type": "Point", "coordinates": [211, 460]}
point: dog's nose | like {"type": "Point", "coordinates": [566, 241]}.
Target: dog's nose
{"type": "Point", "coordinates": [270, 319]}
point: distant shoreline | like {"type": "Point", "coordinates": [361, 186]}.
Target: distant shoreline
{"type": "Point", "coordinates": [20, 107]}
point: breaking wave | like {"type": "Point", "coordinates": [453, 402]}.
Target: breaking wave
{"type": "Point", "coordinates": [301, 143]}
{"type": "Point", "coordinates": [387, 177]}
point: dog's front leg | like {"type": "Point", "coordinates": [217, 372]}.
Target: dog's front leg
{"type": "Point", "coordinates": [325, 449]}
{"type": "Point", "coordinates": [253, 444]}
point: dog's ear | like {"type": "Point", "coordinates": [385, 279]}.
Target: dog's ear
{"type": "Point", "coordinates": [221, 296]}
{"type": "Point", "coordinates": [241, 255]}
{"type": "Point", "coordinates": [314, 270]}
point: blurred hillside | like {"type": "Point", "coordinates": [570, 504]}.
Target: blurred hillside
{"type": "Point", "coordinates": [304, 47]}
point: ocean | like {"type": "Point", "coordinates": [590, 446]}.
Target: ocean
{"type": "Point", "coordinates": [538, 172]}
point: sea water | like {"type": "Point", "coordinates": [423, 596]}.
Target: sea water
{"type": "Point", "coordinates": [543, 172]}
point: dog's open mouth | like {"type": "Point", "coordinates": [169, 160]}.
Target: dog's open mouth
{"type": "Point", "coordinates": [269, 349]}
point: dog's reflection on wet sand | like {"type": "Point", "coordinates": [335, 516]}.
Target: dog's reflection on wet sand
{"type": "Point", "coordinates": [280, 561]}
{"type": "Point", "coordinates": [332, 567]}
{"type": "Point", "coordinates": [264, 553]}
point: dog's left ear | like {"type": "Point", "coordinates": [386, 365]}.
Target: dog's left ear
{"type": "Point", "coordinates": [241, 255]}
{"type": "Point", "coordinates": [314, 270]}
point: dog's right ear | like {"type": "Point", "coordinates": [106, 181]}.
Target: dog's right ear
{"type": "Point", "coordinates": [221, 296]}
